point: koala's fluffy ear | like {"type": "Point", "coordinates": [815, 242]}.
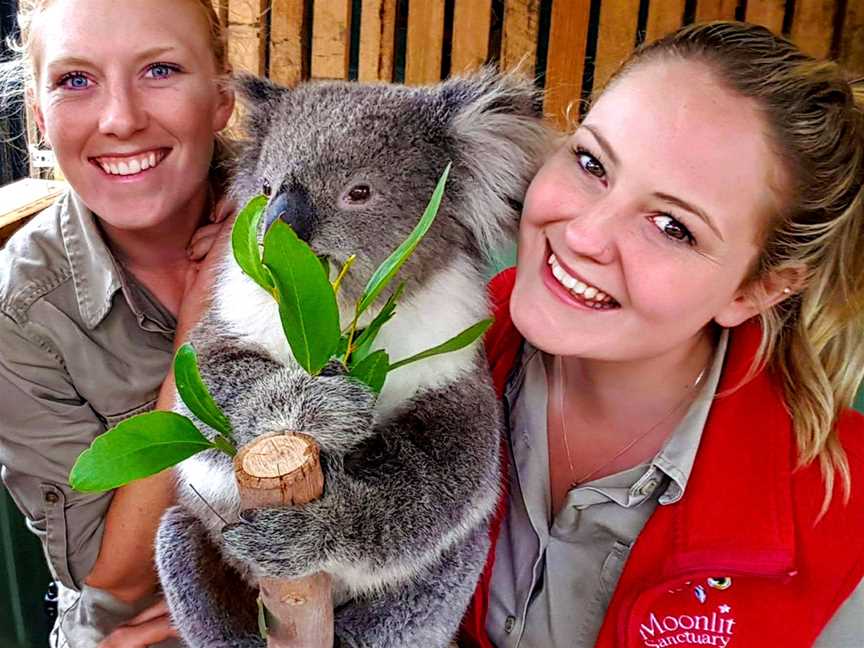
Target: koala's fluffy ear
{"type": "Point", "coordinates": [259, 96]}
{"type": "Point", "coordinates": [500, 139]}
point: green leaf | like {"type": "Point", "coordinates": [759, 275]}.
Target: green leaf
{"type": "Point", "coordinates": [244, 242]}
{"type": "Point", "coordinates": [364, 341]}
{"type": "Point", "coordinates": [385, 272]}
{"type": "Point", "coordinates": [372, 370]}
{"type": "Point", "coordinates": [263, 629]}
{"type": "Point", "coordinates": [194, 392]}
{"type": "Point", "coordinates": [307, 304]}
{"type": "Point", "coordinates": [455, 343]}
{"type": "Point", "coordinates": [138, 447]}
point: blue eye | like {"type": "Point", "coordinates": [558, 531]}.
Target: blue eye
{"type": "Point", "coordinates": [161, 70]}
{"type": "Point", "coordinates": [673, 229]}
{"type": "Point", "coordinates": [589, 163]}
{"type": "Point", "coordinates": [73, 81]}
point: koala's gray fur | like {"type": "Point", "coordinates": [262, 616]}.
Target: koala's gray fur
{"type": "Point", "coordinates": [412, 478]}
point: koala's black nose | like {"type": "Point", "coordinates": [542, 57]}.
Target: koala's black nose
{"type": "Point", "coordinates": [293, 206]}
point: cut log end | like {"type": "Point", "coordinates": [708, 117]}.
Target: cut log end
{"type": "Point", "coordinates": [279, 469]}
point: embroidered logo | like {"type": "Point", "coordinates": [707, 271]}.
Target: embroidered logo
{"type": "Point", "coordinates": [715, 629]}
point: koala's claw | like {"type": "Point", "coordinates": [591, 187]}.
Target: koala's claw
{"type": "Point", "coordinates": [266, 536]}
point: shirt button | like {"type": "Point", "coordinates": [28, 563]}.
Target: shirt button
{"type": "Point", "coordinates": [51, 497]}
{"type": "Point", "coordinates": [509, 623]}
{"type": "Point", "coordinates": [648, 487]}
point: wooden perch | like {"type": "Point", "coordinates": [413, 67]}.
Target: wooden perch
{"type": "Point", "coordinates": [277, 470]}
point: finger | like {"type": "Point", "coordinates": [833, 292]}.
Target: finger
{"type": "Point", "coordinates": [142, 635]}
{"type": "Point", "coordinates": [201, 246]}
{"type": "Point", "coordinates": [156, 610]}
{"type": "Point", "coordinates": [223, 209]}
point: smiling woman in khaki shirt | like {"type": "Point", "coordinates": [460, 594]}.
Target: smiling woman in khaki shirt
{"type": "Point", "coordinates": [96, 292]}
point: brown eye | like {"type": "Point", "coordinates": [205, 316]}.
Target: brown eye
{"type": "Point", "coordinates": [590, 164]}
{"type": "Point", "coordinates": [359, 193]}
{"type": "Point", "coordinates": [266, 189]}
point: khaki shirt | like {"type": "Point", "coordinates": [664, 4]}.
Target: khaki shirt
{"type": "Point", "coordinates": [82, 347]}
{"type": "Point", "coordinates": [553, 579]}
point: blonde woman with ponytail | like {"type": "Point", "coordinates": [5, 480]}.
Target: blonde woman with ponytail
{"type": "Point", "coordinates": [678, 349]}
{"type": "Point", "coordinates": [97, 291]}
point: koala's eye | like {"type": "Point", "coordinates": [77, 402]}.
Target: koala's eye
{"type": "Point", "coordinates": [266, 189]}
{"type": "Point", "coordinates": [359, 193]}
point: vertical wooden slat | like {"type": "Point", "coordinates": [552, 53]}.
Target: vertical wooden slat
{"type": "Point", "coordinates": [813, 26]}
{"type": "Point", "coordinates": [664, 16]}
{"type": "Point", "coordinates": [615, 37]}
{"type": "Point", "coordinates": [568, 35]}
{"type": "Point", "coordinates": [221, 9]}
{"type": "Point", "coordinates": [377, 39]}
{"type": "Point", "coordinates": [331, 35]}
{"type": "Point", "coordinates": [286, 41]}
{"type": "Point", "coordinates": [852, 42]}
{"type": "Point", "coordinates": [519, 37]}
{"type": "Point", "coordinates": [424, 41]}
{"type": "Point", "coordinates": [471, 21]}
{"type": "Point", "coordinates": [768, 13]}
{"type": "Point", "coordinates": [716, 10]}
{"type": "Point", "coordinates": [246, 35]}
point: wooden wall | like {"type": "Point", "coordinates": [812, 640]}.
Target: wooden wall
{"type": "Point", "coordinates": [571, 46]}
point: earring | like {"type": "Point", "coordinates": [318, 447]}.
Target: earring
{"type": "Point", "coordinates": [787, 291]}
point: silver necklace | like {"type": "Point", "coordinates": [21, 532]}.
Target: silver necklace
{"type": "Point", "coordinates": [562, 381]}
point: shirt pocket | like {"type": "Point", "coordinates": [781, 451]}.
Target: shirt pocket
{"type": "Point", "coordinates": [54, 534]}
{"type": "Point", "coordinates": [111, 420]}
{"type": "Point", "coordinates": [611, 570]}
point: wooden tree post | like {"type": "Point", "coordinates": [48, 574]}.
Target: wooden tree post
{"type": "Point", "coordinates": [277, 470]}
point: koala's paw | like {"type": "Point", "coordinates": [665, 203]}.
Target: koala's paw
{"type": "Point", "coordinates": [283, 542]}
{"type": "Point", "coordinates": [333, 408]}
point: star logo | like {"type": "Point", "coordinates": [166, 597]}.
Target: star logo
{"type": "Point", "coordinates": [724, 609]}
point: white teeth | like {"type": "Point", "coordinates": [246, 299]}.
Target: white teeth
{"type": "Point", "coordinates": [594, 295]}
{"type": "Point", "coordinates": [129, 166]}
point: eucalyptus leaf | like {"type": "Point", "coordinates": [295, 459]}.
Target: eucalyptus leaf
{"type": "Point", "coordinates": [386, 271]}
{"type": "Point", "coordinates": [138, 447]}
{"type": "Point", "coordinates": [244, 242]}
{"type": "Point", "coordinates": [363, 343]}
{"type": "Point", "coordinates": [307, 304]}
{"type": "Point", "coordinates": [372, 370]}
{"type": "Point", "coordinates": [455, 343]}
{"type": "Point", "coordinates": [194, 392]}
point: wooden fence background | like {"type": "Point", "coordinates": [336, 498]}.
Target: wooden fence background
{"type": "Point", "coordinates": [571, 46]}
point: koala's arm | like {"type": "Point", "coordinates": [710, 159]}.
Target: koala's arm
{"type": "Point", "coordinates": [210, 604]}
{"type": "Point", "coordinates": [395, 496]}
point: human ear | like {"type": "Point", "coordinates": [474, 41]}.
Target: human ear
{"type": "Point", "coordinates": [224, 107]}
{"type": "Point", "coordinates": [760, 294]}
{"type": "Point", "coordinates": [33, 104]}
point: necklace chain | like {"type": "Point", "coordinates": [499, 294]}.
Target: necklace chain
{"type": "Point", "coordinates": [562, 380]}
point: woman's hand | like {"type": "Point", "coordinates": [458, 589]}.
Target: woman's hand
{"type": "Point", "coordinates": [152, 626]}
{"type": "Point", "coordinates": [207, 246]}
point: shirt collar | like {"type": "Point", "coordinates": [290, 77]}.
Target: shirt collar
{"type": "Point", "coordinates": [677, 455]}
{"type": "Point", "coordinates": [94, 272]}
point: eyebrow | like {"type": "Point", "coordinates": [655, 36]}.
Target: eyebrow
{"type": "Point", "coordinates": [604, 144]}
{"type": "Point", "coordinates": [78, 61]}
{"type": "Point", "coordinates": [691, 208]}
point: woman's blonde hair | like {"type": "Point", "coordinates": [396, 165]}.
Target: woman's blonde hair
{"type": "Point", "coordinates": [19, 72]}
{"type": "Point", "coordinates": [815, 118]}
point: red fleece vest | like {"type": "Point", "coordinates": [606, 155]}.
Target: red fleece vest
{"type": "Point", "coordinates": [740, 560]}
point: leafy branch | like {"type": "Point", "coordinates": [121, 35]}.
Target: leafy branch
{"type": "Point", "coordinates": [298, 280]}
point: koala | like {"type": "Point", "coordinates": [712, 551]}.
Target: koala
{"type": "Point", "coordinates": [412, 475]}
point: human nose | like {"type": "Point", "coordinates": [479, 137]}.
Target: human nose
{"type": "Point", "coordinates": [123, 115]}
{"type": "Point", "coordinates": [592, 233]}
